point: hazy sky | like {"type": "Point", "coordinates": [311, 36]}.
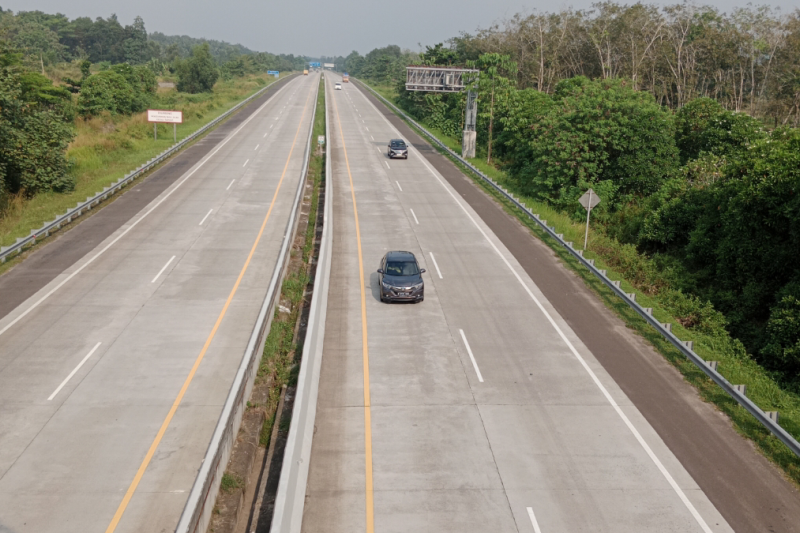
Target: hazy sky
{"type": "Point", "coordinates": [321, 27]}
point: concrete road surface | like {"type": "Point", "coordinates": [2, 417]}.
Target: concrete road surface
{"type": "Point", "coordinates": [113, 376]}
{"type": "Point", "coordinates": [478, 409]}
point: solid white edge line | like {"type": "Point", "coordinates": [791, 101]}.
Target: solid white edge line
{"type": "Point", "coordinates": [205, 217]}
{"type": "Point", "coordinates": [145, 215]}
{"type": "Point", "coordinates": [417, 221]}
{"type": "Point", "coordinates": [74, 370]}
{"type": "Point", "coordinates": [472, 357]}
{"type": "Point", "coordinates": [171, 259]}
{"type": "Point", "coordinates": [691, 508]}
{"type": "Point", "coordinates": [536, 527]}
{"type": "Point", "coordinates": [245, 163]}
{"type": "Point", "coordinates": [229, 185]}
{"type": "Point", "coordinates": [435, 264]}
{"type": "Point", "coordinates": [398, 185]}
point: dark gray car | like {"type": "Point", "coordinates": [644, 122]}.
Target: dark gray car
{"type": "Point", "coordinates": [401, 278]}
{"type": "Point", "coordinates": [397, 148]}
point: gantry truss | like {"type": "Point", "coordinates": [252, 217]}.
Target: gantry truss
{"type": "Point", "coordinates": [439, 79]}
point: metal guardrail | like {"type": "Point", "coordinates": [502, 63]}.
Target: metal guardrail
{"type": "Point", "coordinates": [78, 210]}
{"type": "Point", "coordinates": [290, 499]}
{"type": "Point", "coordinates": [199, 506]}
{"type": "Point", "coordinates": [685, 347]}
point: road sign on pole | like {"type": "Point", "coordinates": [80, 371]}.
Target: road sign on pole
{"type": "Point", "coordinates": [163, 116]}
{"type": "Point", "coordinates": [589, 200]}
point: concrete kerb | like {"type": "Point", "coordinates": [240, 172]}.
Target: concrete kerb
{"type": "Point", "coordinates": [66, 218]}
{"type": "Point", "coordinates": [290, 498]}
{"type": "Point", "coordinates": [196, 514]}
{"type": "Point", "coordinates": [736, 392]}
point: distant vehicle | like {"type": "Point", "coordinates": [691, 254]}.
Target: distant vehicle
{"type": "Point", "coordinates": [397, 148]}
{"type": "Point", "coordinates": [401, 278]}
{"type": "Point", "coordinates": [305, 72]}
{"type": "Point", "coordinates": [346, 77]}
{"type": "Point", "coordinates": [337, 86]}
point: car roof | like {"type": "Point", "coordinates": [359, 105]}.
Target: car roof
{"type": "Point", "coordinates": [397, 141]}
{"type": "Point", "coordinates": [400, 255]}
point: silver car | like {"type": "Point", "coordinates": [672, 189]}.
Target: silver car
{"type": "Point", "coordinates": [397, 148]}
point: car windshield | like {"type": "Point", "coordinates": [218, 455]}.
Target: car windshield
{"type": "Point", "coordinates": [401, 268]}
{"type": "Point", "coordinates": [398, 144]}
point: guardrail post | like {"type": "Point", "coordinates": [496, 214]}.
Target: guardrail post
{"type": "Point", "coordinates": [773, 415]}
{"type": "Point", "coordinates": [712, 365]}
{"type": "Point", "coordinates": [667, 326]}
{"type": "Point", "coordinates": [741, 389]}
{"type": "Point", "coordinates": [689, 344]}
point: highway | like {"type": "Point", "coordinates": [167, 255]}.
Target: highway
{"type": "Point", "coordinates": [478, 409]}
{"type": "Point", "coordinates": [113, 375]}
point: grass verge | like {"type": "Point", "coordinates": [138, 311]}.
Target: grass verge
{"type": "Point", "coordinates": [691, 319]}
{"type": "Point", "coordinates": [280, 360]}
{"type": "Point", "coordinates": [106, 148]}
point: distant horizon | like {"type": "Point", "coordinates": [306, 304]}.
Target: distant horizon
{"type": "Point", "coordinates": [323, 28]}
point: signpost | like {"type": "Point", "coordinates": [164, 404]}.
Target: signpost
{"type": "Point", "coordinates": [162, 116]}
{"type": "Point", "coordinates": [589, 200]}
{"type": "Point", "coordinates": [273, 73]}
{"type": "Point", "coordinates": [328, 65]}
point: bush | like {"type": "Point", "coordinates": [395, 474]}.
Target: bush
{"type": "Point", "coordinates": [703, 125]}
{"type": "Point", "coordinates": [106, 91]}
{"type": "Point", "coordinates": [33, 136]}
{"type": "Point", "coordinates": [199, 73]}
{"type": "Point", "coordinates": [783, 330]}
{"type": "Point", "coordinates": [601, 134]}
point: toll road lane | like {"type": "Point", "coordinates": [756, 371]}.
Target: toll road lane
{"type": "Point", "coordinates": [67, 463]}
{"type": "Point", "coordinates": [483, 402]}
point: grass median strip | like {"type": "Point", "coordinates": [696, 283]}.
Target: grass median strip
{"type": "Point", "coordinates": [690, 318]}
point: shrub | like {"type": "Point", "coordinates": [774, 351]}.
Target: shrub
{"type": "Point", "coordinates": [601, 134]}
{"type": "Point", "coordinates": [198, 73]}
{"type": "Point", "coordinates": [106, 91]}
{"type": "Point", "coordinates": [703, 125]}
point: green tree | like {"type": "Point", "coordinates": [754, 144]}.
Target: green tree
{"type": "Point", "coordinates": [106, 91]}
{"type": "Point", "coordinates": [600, 134]}
{"type": "Point", "coordinates": [33, 137]}
{"type": "Point", "coordinates": [494, 82]}
{"type": "Point", "coordinates": [198, 73]}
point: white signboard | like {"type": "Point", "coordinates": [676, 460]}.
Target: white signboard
{"type": "Point", "coordinates": [163, 116]}
{"type": "Point", "coordinates": [328, 65]}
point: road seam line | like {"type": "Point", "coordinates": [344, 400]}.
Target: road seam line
{"type": "Point", "coordinates": [74, 371]}
{"type": "Point", "coordinates": [171, 259]}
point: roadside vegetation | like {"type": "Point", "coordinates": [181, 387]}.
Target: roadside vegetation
{"type": "Point", "coordinates": [72, 100]}
{"type": "Point", "coordinates": [281, 358]}
{"type": "Point", "coordinates": [699, 177]}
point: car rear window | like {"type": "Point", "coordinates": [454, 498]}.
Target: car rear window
{"type": "Point", "coordinates": [402, 268]}
{"type": "Point", "coordinates": [398, 144]}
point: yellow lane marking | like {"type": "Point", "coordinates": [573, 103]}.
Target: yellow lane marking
{"type": "Point", "coordinates": [365, 347]}
{"type": "Point", "coordinates": [139, 473]}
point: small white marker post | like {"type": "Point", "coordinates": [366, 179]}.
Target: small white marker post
{"type": "Point", "coordinates": [588, 201]}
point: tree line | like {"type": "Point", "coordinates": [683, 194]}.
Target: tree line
{"type": "Point", "coordinates": [119, 68]}
{"type": "Point", "coordinates": [682, 119]}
